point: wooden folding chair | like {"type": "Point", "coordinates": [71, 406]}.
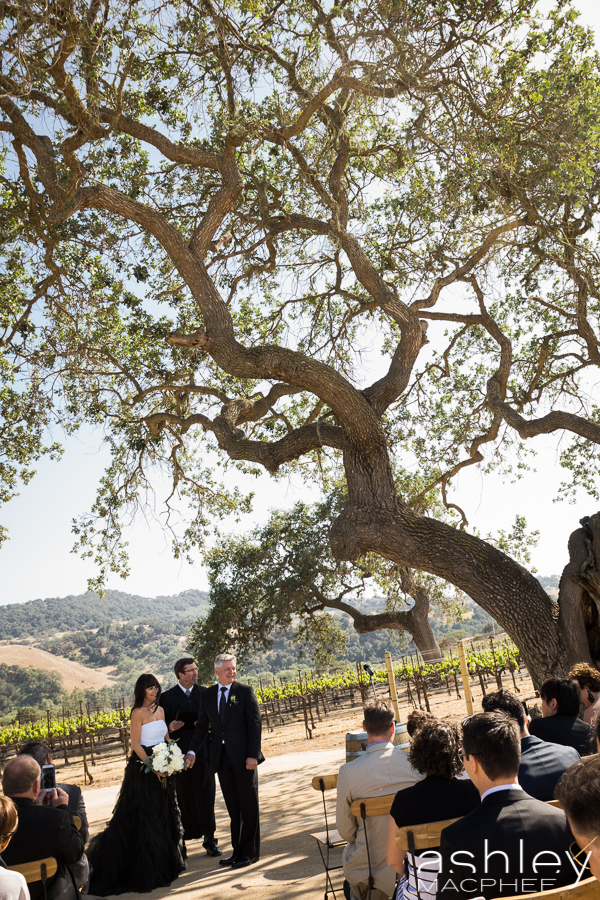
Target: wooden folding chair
{"type": "Point", "coordinates": [363, 809]}
{"type": "Point", "coordinates": [37, 870]}
{"type": "Point", "coordinates": [330, 838]}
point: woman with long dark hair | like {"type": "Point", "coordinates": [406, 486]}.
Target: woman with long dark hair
{"type": "Point", "coordinates": [142, 846]}
{"type": "Point", "coordinates": [435, 753]}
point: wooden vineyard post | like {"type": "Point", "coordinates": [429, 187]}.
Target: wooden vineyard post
{"type": "Point", "coordinates": [312, 721]}
{"type": "Point", "coordinates": [424, 689]}
{"type": "Point", "coordinates": [316, 696]}
{"type": "Point", "coordinates": [496, 672]}
{"type": "Point", "coordinates": [465, 677]}
{"type": "Point", "coordinates": [49, 731]}
{"type": "Point", "coordinates": [481, 681]}
{"type": "Point", "coordinates": [511, 669]}
{"type": "Point", "coordinates": [125, 738]}
{"type": "Point", "coordinates": [392, 684]}
{"type": "Point", "coordinates": [279, 710]}
{"type": "Point", "coordinates": [87, 774]}
{"type": "Point", "coordinates": [306, 725]}
{"type": "Point", "coordinates": [265, 705]}
{"type": "Point", "coordinates": [417, 690]}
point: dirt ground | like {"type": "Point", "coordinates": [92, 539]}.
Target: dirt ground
{"type": "Point", "coordinates": [289, 867]}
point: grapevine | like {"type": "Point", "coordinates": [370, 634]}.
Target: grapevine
{"type": "Point", "coordinates": [504, 658]}
{"type": "Point", "coordinates": [61, 728]}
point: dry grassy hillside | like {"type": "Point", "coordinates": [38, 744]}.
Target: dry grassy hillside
{"type": "Point", "coordinates": [73, 674]}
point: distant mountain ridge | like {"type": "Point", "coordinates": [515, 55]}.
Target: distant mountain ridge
{"type": "Point", "coordinates": [87, 611]}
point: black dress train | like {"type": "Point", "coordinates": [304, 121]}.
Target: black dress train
{"type": "Point", "coordinates": [142, 846]}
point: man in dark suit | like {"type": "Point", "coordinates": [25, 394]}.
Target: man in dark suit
{"type": "Point", "coordinates": [232, 713]}
{"type": "Point", "coordinates": [512, 843]}
{"type": "Point", "coordinates": [542, 763]}
{"type": "Point", "coordinates": [46, 828]}
{"type": "Point", "coordinates": [196, 785]}
{"type": "Point", "coordinates": [41, 753]}
{"type": "Point", "coordinates": [561, 723]}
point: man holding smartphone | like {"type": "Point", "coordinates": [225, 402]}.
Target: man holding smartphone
{"type": "Point", "coordinates": [41, 753]}
{"type": "Point", "coordinates": [46, 828]}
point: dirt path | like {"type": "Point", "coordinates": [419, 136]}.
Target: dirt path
{"type": "Point", "coordinates": [289, 867]}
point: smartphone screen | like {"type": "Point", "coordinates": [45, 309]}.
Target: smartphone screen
{"type": "Point", "coordinates": [48, 778]}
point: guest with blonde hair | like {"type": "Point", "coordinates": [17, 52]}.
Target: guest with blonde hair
{"type": "Point", "coordinates": [12, 884]}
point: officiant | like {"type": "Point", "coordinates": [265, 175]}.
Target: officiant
{"type": "Point", "coordinates": [195, 786]}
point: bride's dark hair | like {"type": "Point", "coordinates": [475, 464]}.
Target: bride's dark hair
{"type": "Point", "coordinates": [143, 682]}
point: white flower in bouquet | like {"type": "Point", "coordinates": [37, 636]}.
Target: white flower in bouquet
{"type": "Point", "coordinates": [166, 759]}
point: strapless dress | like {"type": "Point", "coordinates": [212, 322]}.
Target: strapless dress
{"type": "Point", "coordinates": [142, 846]}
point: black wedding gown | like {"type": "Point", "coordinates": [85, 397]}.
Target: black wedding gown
{"type": "Point", "coordinates": [142, 846]}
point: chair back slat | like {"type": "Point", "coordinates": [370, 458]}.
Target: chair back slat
{"type": "Point", "coordinates": [329, 782]}
{"type": "Point", "coordinates": [374, 806]}
{"type": "Point", "coordinates": [37, 869]}
{"type": "Point", "coordinates": [425, 836]}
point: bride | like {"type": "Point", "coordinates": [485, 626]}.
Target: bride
{"type": "Point", "coordinates": [142, 846]}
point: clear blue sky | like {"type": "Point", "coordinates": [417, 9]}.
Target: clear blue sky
{"type": "Point", "coordinates": [37, 560]}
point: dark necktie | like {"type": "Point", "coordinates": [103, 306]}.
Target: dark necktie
{"type": "Point", "coordinates": [187, 693]}
{"type": "Point", "coordinates": [222, 705]}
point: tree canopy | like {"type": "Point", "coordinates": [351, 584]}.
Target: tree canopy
{"type": "Point", "coordinates": [301, 235]}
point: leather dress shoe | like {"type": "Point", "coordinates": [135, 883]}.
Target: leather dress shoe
{"type": "Point", "coordinates": [242, 861]}
{"type": "Point", "coordinates": [213, 850]}
{"type": "Point", "coordinates": [228, 860]}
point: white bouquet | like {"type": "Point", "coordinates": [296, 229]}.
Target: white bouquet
{"type": "Point", "coordinates": [166, 759]}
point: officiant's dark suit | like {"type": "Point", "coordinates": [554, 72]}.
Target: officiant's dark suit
{"type": "Point", "coordinates": [196, 786]}
{"type": "Point", "coordinates": [235, 725]}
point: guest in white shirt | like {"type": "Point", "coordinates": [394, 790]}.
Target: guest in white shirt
{"type": "Point", "coordinates": [12, 884]}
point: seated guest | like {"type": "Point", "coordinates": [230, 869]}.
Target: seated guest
{"type": "Point", "coordinates": [46, 828]}
{"type": "Point", "coordinates": [416, 719]}
{"type": "Point", "coordinates": [12, 884]}
{"type": "Point", "coordinates": [441, 795]}
{"type": "Point", "coordinates": [41, 753]}
{"type": "Point", "coordinates": [588, 680]}
{"type": "Point", "coordinates": [542, 763]}
{"type": "Point", "coordinates": [382, 769]}
{"type": "Point", "coordinates": [560, 723]}
{"type": "Point", "coordinates": [511, 843]}
{"type": "Point", "coordinates": [578, 792]}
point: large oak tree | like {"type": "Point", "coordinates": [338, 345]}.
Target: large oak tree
{"type": "Point", "coordinates": [212, 210]}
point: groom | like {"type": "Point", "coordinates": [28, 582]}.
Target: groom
{"type": "Point", "coordinates": [195, 788]}
{"type": "Point", "coordinates": [232, 712]}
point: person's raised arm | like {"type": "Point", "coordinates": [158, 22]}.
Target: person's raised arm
{"type": "Point", "coordinates": [135, 732]}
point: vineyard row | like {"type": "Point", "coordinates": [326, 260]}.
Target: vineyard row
{"type": "Point", "coordinates": [495, 661]}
